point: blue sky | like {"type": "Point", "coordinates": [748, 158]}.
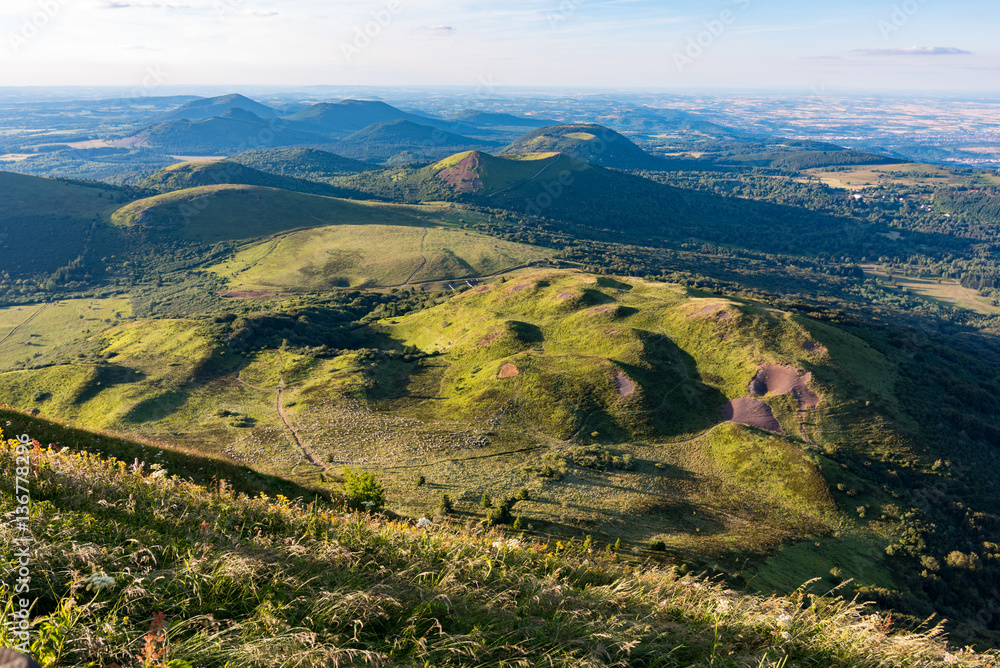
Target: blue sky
{"type": "Point", "coordinates": [849, 44]}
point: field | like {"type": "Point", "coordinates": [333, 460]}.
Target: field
{"type": "Point", "coordinates": [58, 331]}
{"type": "Point", "coordinates": [944, 291]}
{"type": "Point", "coordinates": [371, 256]}
{"type": "Point", "coordinates": [911, 174]}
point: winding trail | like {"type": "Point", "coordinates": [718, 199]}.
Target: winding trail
{"type": "Point", "coordinates": [281, 411]}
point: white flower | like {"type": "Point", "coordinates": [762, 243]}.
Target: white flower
{"type": "Point", "coordinates": [423, 522]}
{"type": "Point", "coordinates": [497, 544]}
{"type": "Point", "coordinates": [99, 581]}
{"type": "Point", "coordinates": [785, 622]}
{"type": "Point", "coordinates": [513, 542]}
{"type": "Point", "coordinates": [786, 635]}
{"type": "Point", "coordinates": [368, 504]}
{"type": "Point", "coordinates": [722, 607]}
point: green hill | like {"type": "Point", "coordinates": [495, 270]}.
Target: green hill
{"type": "Point", "coordinates": [195, 174]}
{"type": "Point", "coordinates": [203, 575]}
{"type": "Point", "coordinates": [215, 213]}
{"type": "Point", "coordinates": [48, 225]}
{"type": "Point", "coordinates": [302, 163]}
{"type": "Point", "coordinates": [591, 143]}
{"type": "Point", "coordinates": [382, 141]}
{"type": "Point", "coordinates": [348, 116]}
{"type": "Point", "coordinates": [235, 131]}
{"type": "Point", "coordinates": [375, 255]}
{"type": "Point", "coordinates": [197, 110]}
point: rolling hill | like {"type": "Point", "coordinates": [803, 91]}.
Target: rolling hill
{"type": "Point", "coordinates": [195, 174]}
{"type": "Point", "coordinates": [349, 116]}
{"type": "Point", "coordinates": [199, 110]}
{"type": "Point", "coordinates": [50, 226]}
{"type": "Point", "coordinates": [303, 163]}
{"type": "Point", "coordinates": [234, 131]}
{"type": "Point", "coordinates": [595, 144]}
{"type": "Point", "coordinates": [382, 141]}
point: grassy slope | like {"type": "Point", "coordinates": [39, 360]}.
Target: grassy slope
{"type": "Point", "coordinates": [238, 580]}
{"type": "Point", "coordinates": [48, 333]}
{"type": "Point", "coordinates": [215, 213]}
{"type": "Point", "coordinates": [371, 256]}
{"type": "Point", "coordinates": [706, 490]}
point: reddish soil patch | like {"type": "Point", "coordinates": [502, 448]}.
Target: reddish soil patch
{"type": "Point", "coordinates": [725, 315]}
{"type": "Point", "coordinates": [488, 340]}
{"type": "Point", "coordinates": [814, 348]}
{"type": "Point", "coordinates": [518, 288]}
{"type": "Point", "coordinates": [567, 295]}
{"type": "Point", "coordinates": [603, 309]}
{"type": "Point", "coordinates": [246, 294]}
{"type": "Point", "coordinates": [481, 289]}
{"type": "Point", "coordinates": [752, 412]}
{"type": "Point", "coordinates": [463, 177]}
{"type": "Point", "coordinates": [626, 386]}
{"type": "Point", "coordinates": [509, 371]}
{"type": "Point", "coordinates": [772, 379]}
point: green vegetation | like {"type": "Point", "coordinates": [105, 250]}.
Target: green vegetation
{"type": "Point", "coordinates": [372, 255]}
{"type": "Point", "coordinates": [231, 579]}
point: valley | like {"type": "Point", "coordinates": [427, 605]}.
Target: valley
{"type": "Point", "coordinates": [769, 360]}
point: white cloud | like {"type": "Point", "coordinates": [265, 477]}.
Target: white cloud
{"type": "Point", "coordinates": [916, 51]}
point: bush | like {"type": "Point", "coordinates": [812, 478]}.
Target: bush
{"type": "Point", "coordinates": [657, 546]}
{"type": "Point", "coordinates": [363, 490]}
{"type": "Point", "coordinates": [445, 506]}
{"type": "Point", "coordinates": [522, 494]}
{"type": "Point", "coordinates": [486, 501]}
{"type": "Point", "coordinates": [421, 481]}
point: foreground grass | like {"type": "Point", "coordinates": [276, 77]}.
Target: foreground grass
{"type": "Point", "coordinates": [134, 566]}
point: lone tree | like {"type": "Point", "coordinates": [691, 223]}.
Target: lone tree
{"type": "Point", "coordinates": [363, 489]}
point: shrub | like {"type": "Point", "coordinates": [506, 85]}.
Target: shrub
{"type": "Point", "coordinates": [522, 494]}
{"type": "Point", "coordinates": [486, 501]}
{"type": "Point", "coordinates": [363, 489]}
{"type": "Point", "coordinates": [657, 546]}
{"type": "Point", "coordinates": [421, 481]}
{"type": "Point", "coordinates": [445, 506]}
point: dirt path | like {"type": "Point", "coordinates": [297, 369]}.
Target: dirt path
{"type": "Point", "coordinates": [423, 260]}
{"type": "Point", "coordinates": [281, 412]}
{"type": "Point", "coordinates": [295, 432]}
{"type": "Point", "coordinates": [31, 317]}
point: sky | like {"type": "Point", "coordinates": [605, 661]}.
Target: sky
{"type": "Point", "coordinates": [775, 44]}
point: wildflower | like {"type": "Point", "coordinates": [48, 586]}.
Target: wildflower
{"type": "Point", "coordinates": [423, 522]}
{"type": "Point", "coordinates": [99, 581]}
{"type": "Point", "coordinates": [786, 635]}
{"type": "Point", "coordinates": [785, 622]}
{"type": "Point", "coordinates": [368, 504]}
{"type": "Point", "coordinates": [722, 607]}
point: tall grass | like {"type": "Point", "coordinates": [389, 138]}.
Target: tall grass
{"type": "Point", "coordinates": [135, 567]}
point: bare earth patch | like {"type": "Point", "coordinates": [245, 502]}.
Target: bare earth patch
{"type": "Point", "coordinates": [626, 386]}
{"type": "Point", "coordinates": [752, 412]}
{"type": "Point", "coordinates": [603, 309]}
{"type": "Point", "coordinates": [567, 295]}
{"type": "Point", "coordinates": [776, 379]}
{"type": "Point", "coordinates": [814, 348]}
{"type": "Point", "coordinates": [509, 371]}
{"type": "Point", "coordinates": [708, 310]}
{"type": "Point", "coordinates": [463, 177]}
{"type": "Point", "coordinates": [518, 288]}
